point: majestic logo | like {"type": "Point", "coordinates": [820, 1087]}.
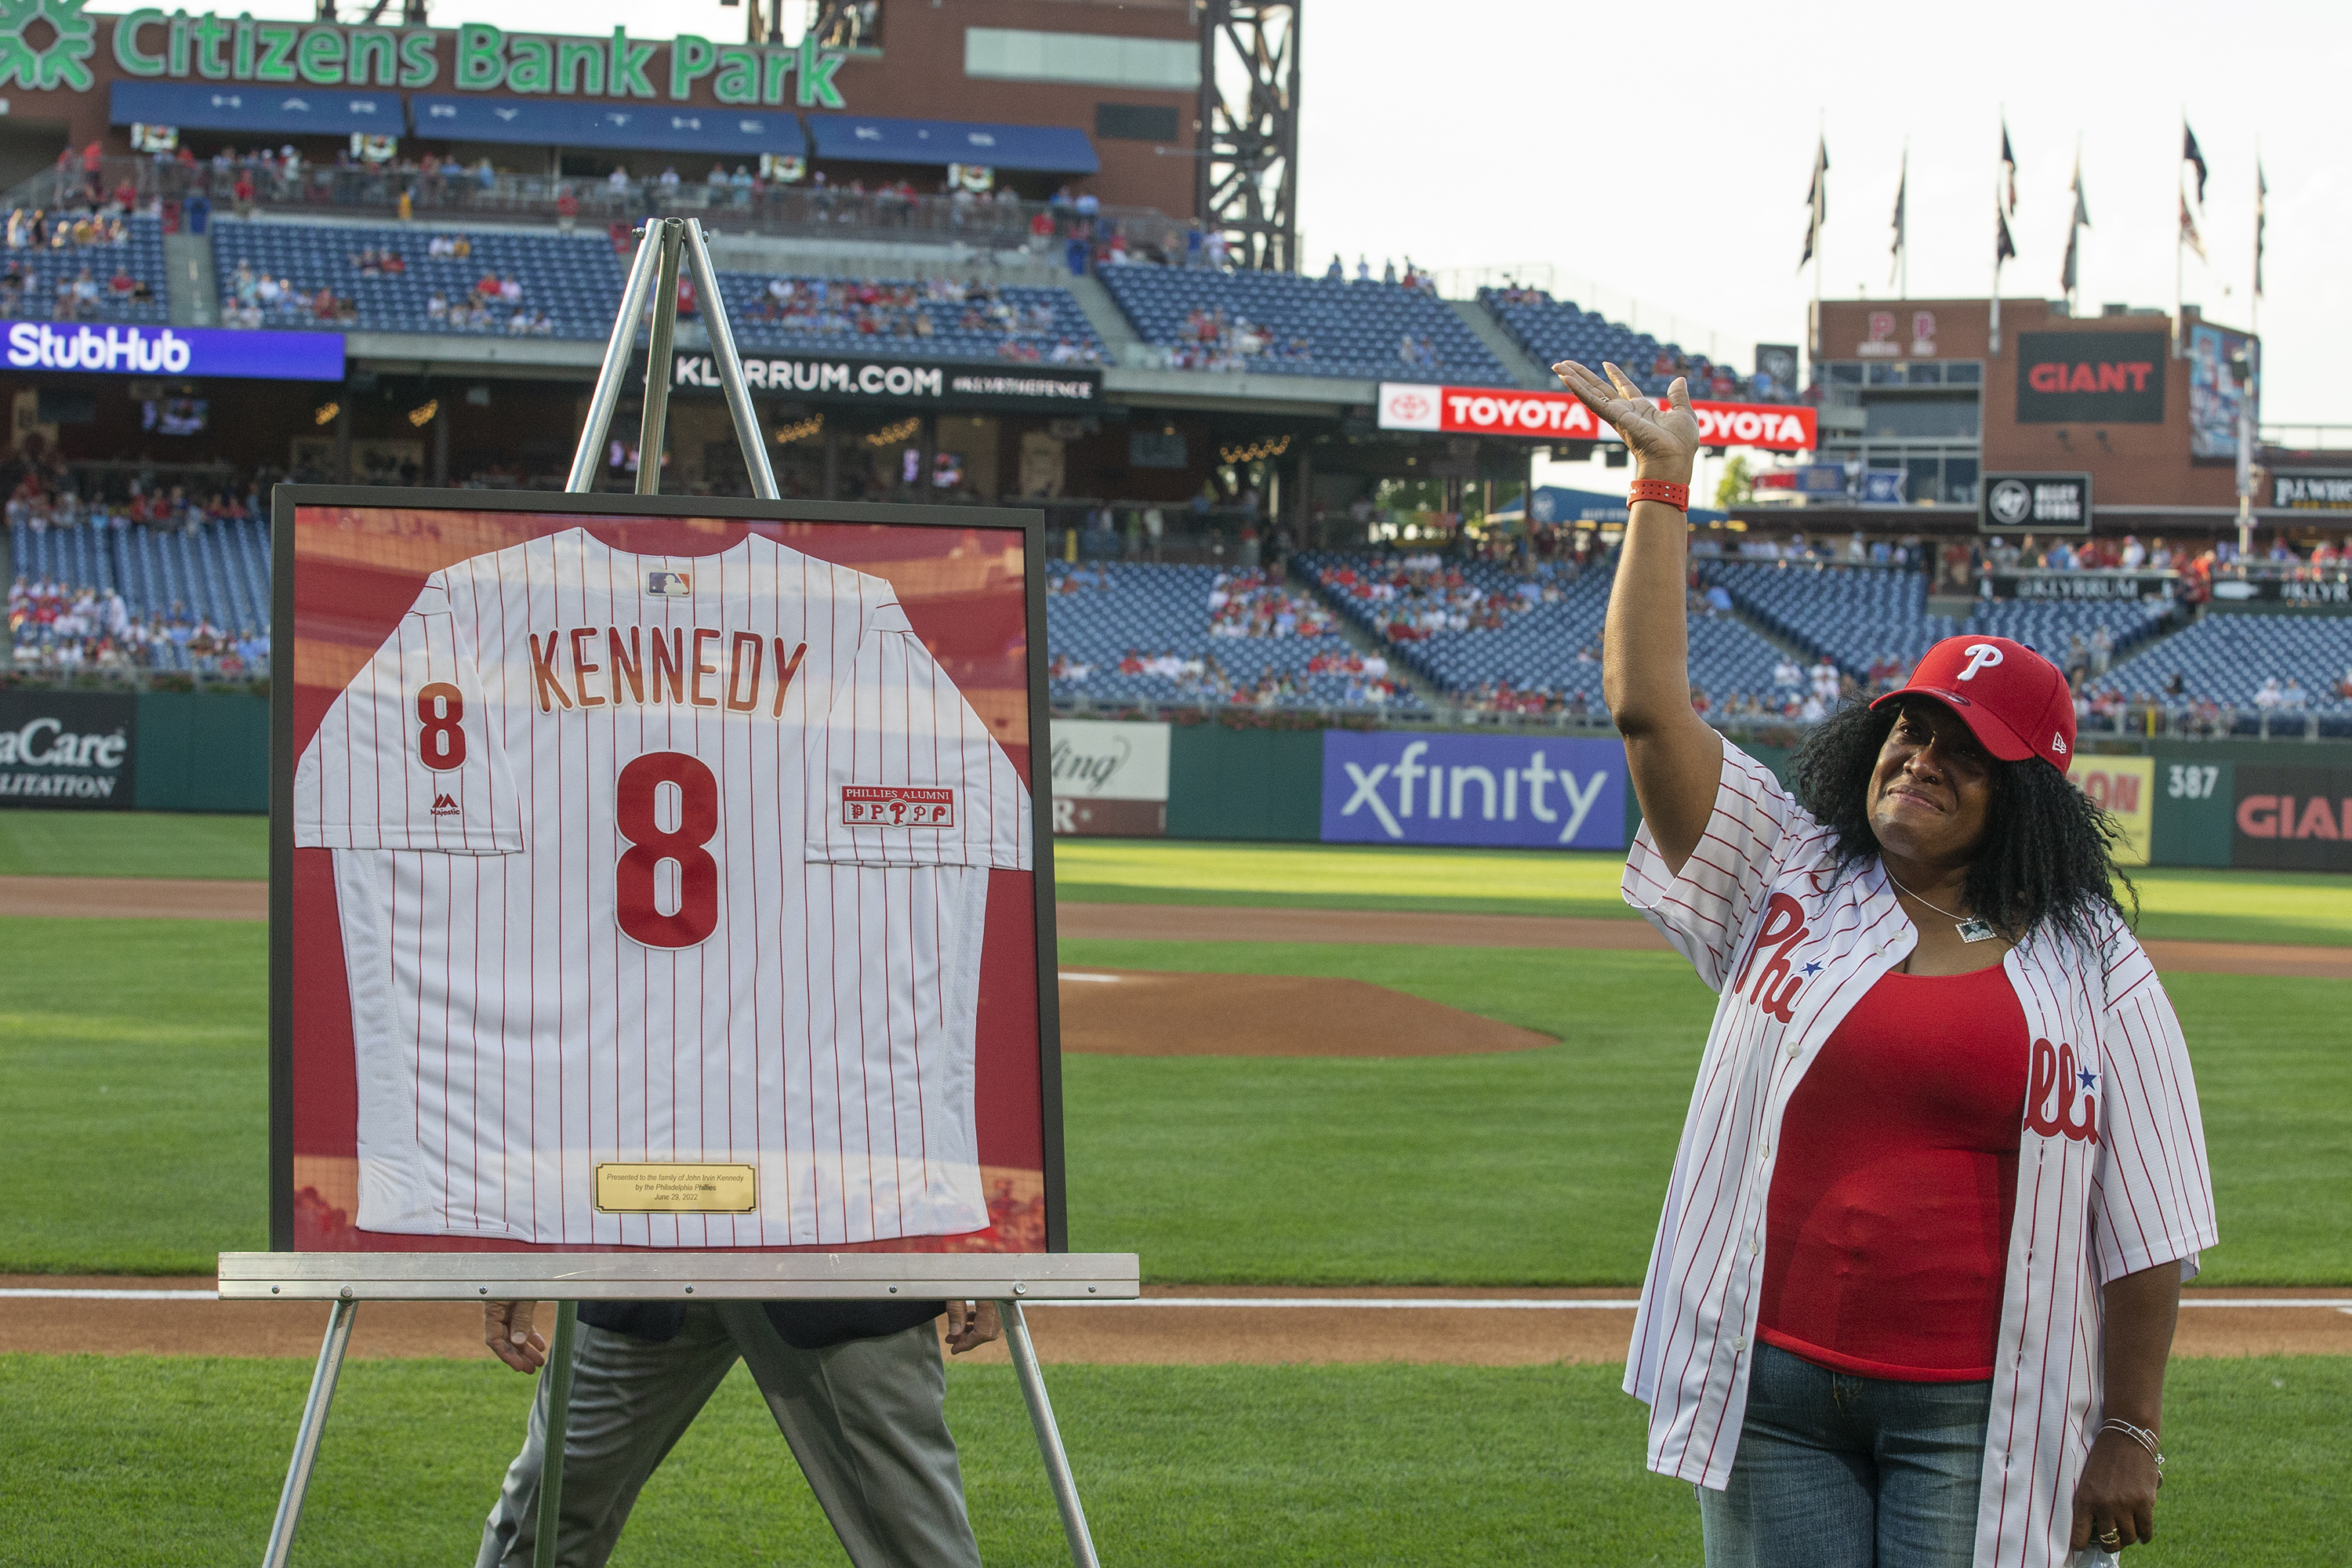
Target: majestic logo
{"type": "Point", "coordinates": [659, 584]}
{"type": "Point", "coordinates": [2055, 1068]}
{"type": "Point", "coordinates": [52, 57]}
{"type": "Point", "coordinates": [444, 806]}
{"type": "Point", "coordinates": [1783, 929]}
{"type": "Point", "coordinates": [897, 805]}
{"type": "Point", "coordinates": [1981, 656]}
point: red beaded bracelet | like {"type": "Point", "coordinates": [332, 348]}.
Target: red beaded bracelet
{"type": "Point", "coordinates": [1673, 495]}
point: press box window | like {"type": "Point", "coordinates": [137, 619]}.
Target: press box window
{"type": "Point", "coordinates": [1134, 122]}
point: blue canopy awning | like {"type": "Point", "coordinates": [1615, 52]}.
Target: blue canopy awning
{"type": "Point", "coordinates": [1050, 149]}
{"type": "Point", "coordinates": [246, 106]}
{"type": "Point", "coordinates": [623, 127]}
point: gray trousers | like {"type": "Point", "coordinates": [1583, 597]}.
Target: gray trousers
{"type": "Point", "coordinates": [865, 1419]}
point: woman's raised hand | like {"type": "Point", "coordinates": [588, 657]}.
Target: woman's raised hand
{"type": "Point", "coordinates": [1664, 441]}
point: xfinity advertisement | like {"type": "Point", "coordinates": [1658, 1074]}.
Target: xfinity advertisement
{"type": "Point", "coordinates": [1497, 791]}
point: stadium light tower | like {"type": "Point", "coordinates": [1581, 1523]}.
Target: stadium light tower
{"type": "Point", "coordinates": [1249, 130]}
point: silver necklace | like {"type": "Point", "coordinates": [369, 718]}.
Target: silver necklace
{"type": "Point", "coordinates": [1971, 928]}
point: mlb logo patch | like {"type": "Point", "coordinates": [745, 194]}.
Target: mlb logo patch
{"type": "Point", "coordinates": [896, 806]}
{"type": "Point", "coordinates": [668, 585]}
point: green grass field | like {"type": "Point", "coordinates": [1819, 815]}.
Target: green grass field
{"type": "Point", "coordinates": [134, 1055]}
{"type": "Point", "coordinates": [121, 1461]}
{"type": "Point", "coordinates": [2175, 902]}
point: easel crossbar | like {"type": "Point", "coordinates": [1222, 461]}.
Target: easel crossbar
{"type": "Point", "coordinates": [703, 1275]}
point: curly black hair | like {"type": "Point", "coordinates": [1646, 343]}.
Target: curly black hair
{"type": "Point", "coordinates": [2048, 855]}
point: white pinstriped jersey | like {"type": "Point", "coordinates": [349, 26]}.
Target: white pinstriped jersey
{"type": "Point", "coordinates": [2111, 1169]}
{"type": "Point", "coordinates": [664, 861]}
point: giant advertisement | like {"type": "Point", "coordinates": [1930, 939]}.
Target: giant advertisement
{"type": "Point", "coordinates": [71, 749]}
{"type": "Point", "coordinates": [2111, 378]}
{"type": "Point", "coordinates": [2218, 394]}
{"type": "Point", "coordinates": [2292, 818]}
{"type": "Point", "coordinates": [174, 350]}
{"type": "Point", "coordinates": [659, 873]}
{"type": "Point", "coordinates": [1534, 792]}
{"type": "Point", "coordinates": [1110, 778]}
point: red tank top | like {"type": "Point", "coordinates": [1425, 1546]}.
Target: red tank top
{"type": "Point", "coordinates": [1887, 1229]}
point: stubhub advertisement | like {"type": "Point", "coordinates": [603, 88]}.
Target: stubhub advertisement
{"type": "Point", "coordinates": [1535, 791]}
{"type": "Point", "coordinates": [174, 350]}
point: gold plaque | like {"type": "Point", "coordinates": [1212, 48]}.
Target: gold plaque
{"type": "Point", "coordinates": [677, 1189]}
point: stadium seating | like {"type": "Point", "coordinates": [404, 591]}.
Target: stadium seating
{"type": "Point", "coordinates": [2050, 629]}
{"type": "Point", "coordinates": [575, 279]}
{"type": "Point", "coordinates": [1317, 326]}
{"type": "Point", "coordinates": [1853, 616]}
{"type": "Point", "coordinates": [2226, 658]}
{"type": "Point", "coordinates": [1098, 614]}
{"type": "Point", "coordinates": [1553, 330]}
{"type": "Point", "coordinates": [141, 254]}
{"type": "Point", "coordinates": [219, 575]}
{"type": "Point", "coordinates": [1034, 325]}
{"type": "Point", "coordinates": [1552, 645]}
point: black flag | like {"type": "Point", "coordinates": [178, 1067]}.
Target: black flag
{"type": "Point", "coordinates": [2009, 166]}
{"type": "Point", "coordinates": [2261, 200]}
{"type": "Point", "coordinates": [1902, 185]}
{"type": "Point", "coordinates": [2191, 154]}
{"type": "Point", "coordinates": [2080, 221]}
{"type": "Point", "coordinates": [1817, 202]}
{"type": "Point", "coordinates": [2003, 249]}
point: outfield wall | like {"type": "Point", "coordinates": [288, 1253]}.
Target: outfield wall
{"type": "Point", "coordinates": [2278, 806]}
{"type": "Point", "coordinates": [2254, 805]}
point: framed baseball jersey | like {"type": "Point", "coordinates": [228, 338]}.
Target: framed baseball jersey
{"type": "Point", "coordinates": [659, 872]}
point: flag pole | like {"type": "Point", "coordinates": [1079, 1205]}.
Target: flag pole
{"type": "Point", "coordinates": [1992, 335]}
{"type": "Point", "coordinates": [1904, 188]}
{"type": "Point", "coordinates": [1821, 206]}
{"type": "Point", "coordinates": [2181, 199]}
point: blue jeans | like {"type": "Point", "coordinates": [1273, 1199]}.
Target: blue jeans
{"type": "Point", "coordinates": [1840, 1471]}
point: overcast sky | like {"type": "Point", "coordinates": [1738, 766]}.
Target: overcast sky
{"type": "Point", "coordinates": [1660, 153]}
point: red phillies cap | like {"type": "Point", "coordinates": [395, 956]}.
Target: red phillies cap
{"type": "Point", "coordinates": [2013, 700]}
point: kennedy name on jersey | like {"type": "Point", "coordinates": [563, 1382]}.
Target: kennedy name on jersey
{"type": "Point", "coordinates": [697, 667]}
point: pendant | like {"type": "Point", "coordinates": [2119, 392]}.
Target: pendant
{"type": "Point", "coordinates": [1974, 931]}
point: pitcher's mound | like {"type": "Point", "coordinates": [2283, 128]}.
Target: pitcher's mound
{"type": "Point", "coordinates": [1143, 1013]}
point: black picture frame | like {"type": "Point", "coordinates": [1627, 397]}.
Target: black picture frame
{"type": "Point", "coordinates": [286, 498]}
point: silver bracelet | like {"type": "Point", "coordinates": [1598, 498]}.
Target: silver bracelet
{"type": "Point", "coordinates": [2141, 1435]}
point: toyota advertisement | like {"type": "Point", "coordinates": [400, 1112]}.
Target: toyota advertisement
{"type": "Point", "coordinates": [1534, 793]}
{"type": "Point", "coordinates": [1555, 416]}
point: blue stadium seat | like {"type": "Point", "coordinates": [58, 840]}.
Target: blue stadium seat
{"type": "Point", "coordinates": [1315, 326]}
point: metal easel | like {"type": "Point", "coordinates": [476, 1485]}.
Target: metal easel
{"type": "Point", "coordinates": [665, 246]}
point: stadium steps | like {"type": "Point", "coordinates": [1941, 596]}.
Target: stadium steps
{"type": "Point", "coordinates": [1366, 642]}
{"type": "Point", "coordinates": [1503, 346]}
{"type": "Point", "coordinates": [1805, 659]}
{"type": "Point", "coordinates": [190, 285]}
{"type": "Point", "coordinates": [1110, 323]}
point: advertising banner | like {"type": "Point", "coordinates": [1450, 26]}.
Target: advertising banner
{"type": "Point", "coordinates": [174, 350]}
{"type": "Point", "coordinates": [2216, 395]}
{"type": "Point", "coordinates": [2332, 595]}
{"type": "Point", "coordinates": [2035, 503]}
{"type": "Point", "coordinates": [713, 875]}
{"type": "Point", "coordinates": [2292, 818]}
{"type": "Point", "coordinates": [1557, 416]}
{"type": "Point", "coordinates": [1537, 792]}
{"type": "Point", "coordinates": [825, 378]}
{"type": "Point", "coordinates": [1110, 778]}
{"type": "Point", "coordinates": [2093, 587]}
{"type": "Point", "coordinates": [68, 748]}
{"type": "Point", "coordinates": [2311, 489]}
{"type": "Point", "coordinates": [2107, 378]}
{"type": "Point", "coordinates": [2126, 787]}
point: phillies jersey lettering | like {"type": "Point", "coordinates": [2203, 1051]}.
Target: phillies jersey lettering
{"type": "Point", "coordinates": [613, 892]}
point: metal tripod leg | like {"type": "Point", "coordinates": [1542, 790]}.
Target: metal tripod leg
{"type": "Point", "coordinates": [1049, 1435]}
{"type": "Point", "coordinates": [559, 1421]}
{"type": "Point", "coordinates": [306, 1435]}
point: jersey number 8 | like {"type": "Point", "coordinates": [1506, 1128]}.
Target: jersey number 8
{"type": "Point", "coordinates": [636, 899]}
{"type": "Point", "coordinates": [440, 742]}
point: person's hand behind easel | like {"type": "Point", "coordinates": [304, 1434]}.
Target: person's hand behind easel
{"type": "Point", "coordinates": [506, 1328]}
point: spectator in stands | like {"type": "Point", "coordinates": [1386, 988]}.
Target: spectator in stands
{"type": "Point", "coordinates": [2292, 697]}
{"type": "Point", "coordinates": [2269, 696]}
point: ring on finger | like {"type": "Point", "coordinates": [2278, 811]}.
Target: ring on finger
{"type": "Point", "coordinates": [2111, 1538]}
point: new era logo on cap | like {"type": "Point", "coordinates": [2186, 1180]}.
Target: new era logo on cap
{"type": "Point", "coordinates": [2004, 691]}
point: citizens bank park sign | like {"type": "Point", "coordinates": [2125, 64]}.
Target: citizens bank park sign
{"type": "Point", "coordinates": [1555, 416]}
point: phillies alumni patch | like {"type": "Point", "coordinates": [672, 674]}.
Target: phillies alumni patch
{"type": "Point", "coordinates": [897, 805]}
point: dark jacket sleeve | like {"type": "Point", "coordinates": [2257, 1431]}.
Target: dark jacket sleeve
{"type": "Point", "coordinates": [804, 1325]}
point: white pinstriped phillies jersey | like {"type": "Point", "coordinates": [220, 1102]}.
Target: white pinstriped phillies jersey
{"type": "Point", "coordinates": [662, 882]}
{"type": "Point", "coordinates": [2112, 1176]}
